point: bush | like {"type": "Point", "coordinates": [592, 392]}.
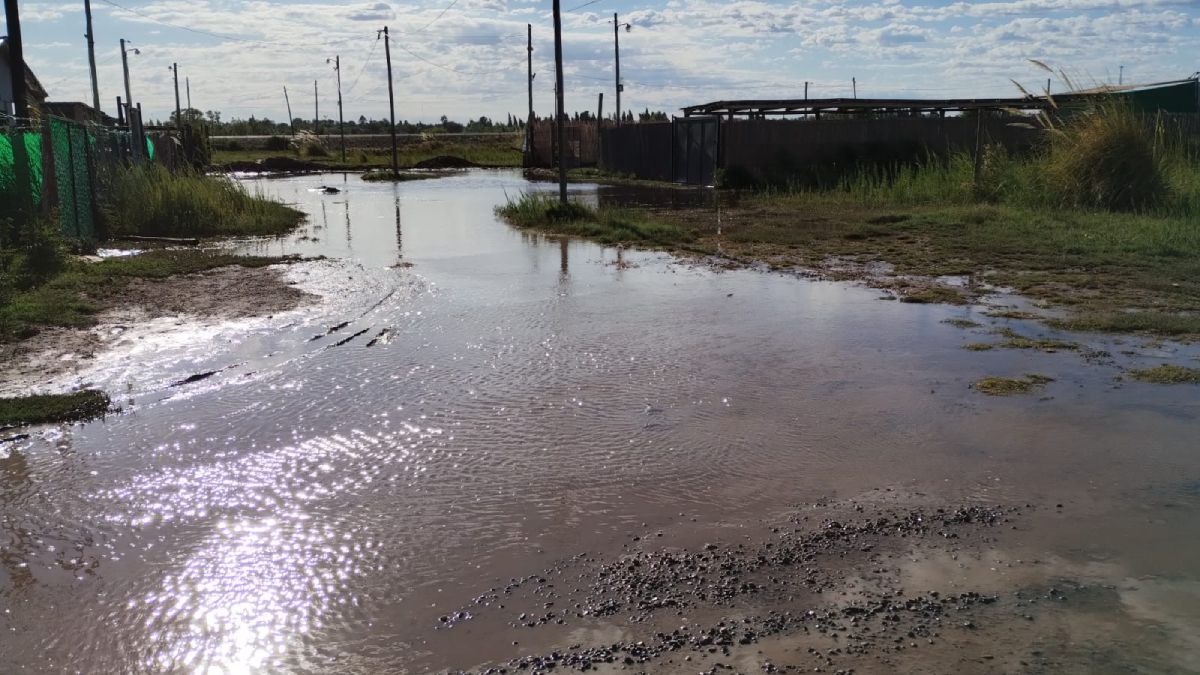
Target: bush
{"type": "Point", "coordinates": [308, 144]}
{"type": "Point", "coordinates": [1106, 158]}
{"type": "Point", "coordinates": [276, 144]}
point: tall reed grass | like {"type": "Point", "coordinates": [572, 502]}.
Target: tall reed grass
{"type": "Point", "coordinates": [151, 201]}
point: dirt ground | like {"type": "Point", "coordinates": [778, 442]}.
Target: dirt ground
{"type": "Point", "coordinates": [232, 292]}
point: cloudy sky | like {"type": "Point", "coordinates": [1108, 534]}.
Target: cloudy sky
{"type": "Point", "coordinates": [466, 58]}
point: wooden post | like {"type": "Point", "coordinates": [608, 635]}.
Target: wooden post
{"type": "Point", "coordinates": [91, 46]}
{"type": "Point", "coordinates": [978, 149]}
{"type": "Point", "coordinates": [529, 120]}
{"type": "Point", "coordinates": [599, 127]}
{"type": "Point", "coordinates": [387, 51]}
{"type": "Point", "coordinates": [558, 104]}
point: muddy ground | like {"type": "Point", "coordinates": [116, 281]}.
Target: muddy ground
{"type": "Point", "coordinates": [224, 293]}
{"type": "Point", "coordinates": [887, 582]}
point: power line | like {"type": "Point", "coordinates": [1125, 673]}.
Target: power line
{"type": "Point", "coordinates": [366, 63]}
{"type": "Point", "coordinates": [435, 19]}
{"type": "Point", "coordinates": [449, 69]}
{"type": "Point", "coordinates": [589, 2]}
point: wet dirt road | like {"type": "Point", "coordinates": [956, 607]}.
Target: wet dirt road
{"type": "Point", "coordinates": [371, 485]}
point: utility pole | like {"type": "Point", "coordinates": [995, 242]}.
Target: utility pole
{"type": "Point", "coordinates": [91, 44]}
{"type": "Point", "coordinates": [187, 81]}
{"type": "Point", "coordinates": [806, 90]}
{"type": "Point", "coordinates": [1121, 77]}
{"type": "Point", "coordinates": [558, 102]}
{"type": "Point", "coordinates": [178, 112]}
{"type": "Point", "coordinates": [291, 120]}
{"type": "Point", "coordinates": [128, 96]}
{"type": "Point", "coordinates": [617, 63]}
{"type": "Point", "coordinates": [16, 59]}
{"type": "Point", "coordinates": [337, 67]}
{"type": "Point", "coordinates": [529, 119]}
{"type": "Point", "coordinates": [854, 86]}
{"type": "Point", "coordinates": [599, 124]}
{"type": "Point", "coordinates": [316, 111]}
{"type": "Point", "coordinates": [387, 52]}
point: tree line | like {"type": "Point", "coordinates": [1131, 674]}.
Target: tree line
{"type": "Point", "coordinates": [265, 126]}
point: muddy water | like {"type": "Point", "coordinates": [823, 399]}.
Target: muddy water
{"type": "Point", "coordinates": [473, 404]}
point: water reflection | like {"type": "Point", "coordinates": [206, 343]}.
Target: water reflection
{"type": "Point", "coordinates": [329, 500]}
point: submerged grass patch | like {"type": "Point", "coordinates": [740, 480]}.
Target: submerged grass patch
{"type": "Point", "coordinates": [1006, 386]}
{"type": "Point", "coordinates": [961, 323]}
{"type": "Point", "coordinates": [542, 211]}
{"type": "Point", "coordinates": [388, 176]}
{"type": "Point", "coordinates": [44, 408]}
{"type": "Point", "coordinates": [1167, 374]}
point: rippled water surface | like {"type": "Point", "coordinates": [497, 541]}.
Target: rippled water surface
{"type": "Point", "coordinates": [492, 401]}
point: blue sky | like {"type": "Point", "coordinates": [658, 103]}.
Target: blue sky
{"type": "Point", "coordinates": [466, 58]}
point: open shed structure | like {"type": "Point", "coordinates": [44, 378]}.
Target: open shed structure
{"type": "Point", "coordinates": [819, 140]}
{"type": "Point", "coordinates": [1178, 96]}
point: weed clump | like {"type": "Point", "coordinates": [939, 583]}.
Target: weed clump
{"type": "Point", "coordinates": [1107, 158]}
{"type": "Point", "coordinates": [1167, 374]}
{"type": "Point", "coordinates": [1006, 386]}
{"type": "Point", "coordinates": [543, 211]}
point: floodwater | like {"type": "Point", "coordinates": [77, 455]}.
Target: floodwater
{"type": "Point", "coordinates": [472, 403]}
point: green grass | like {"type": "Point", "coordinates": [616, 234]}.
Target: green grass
{"type": "Point", "coordinates": [73, 297]}
{"type": "Point", "coordinates": [961, 323]}
{"type": "Point", "coordinates": [1007, 386]}
{"type": "Point", "coordinates": [542, 211]}
{"type": "Point", "coordinates": [1167, 374]}
{"type": "Point", "coordinates": [501, 151]}
{"type": "Point", "coordinates": [152, 201]}
{"type": "Point", "coordinates": [1154, 323]}
{"type": "Point", "coordinates": [40, 409]}
{"type": "Point", "coordinates": [402, 176]}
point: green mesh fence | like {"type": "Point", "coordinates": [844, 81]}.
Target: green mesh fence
{"type": "Point", "coordinates": [72, 146]}
{"type": "Point", "coordinates": [13, 176]}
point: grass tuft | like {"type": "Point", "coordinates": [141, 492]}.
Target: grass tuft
{"type": "Point", "coordinates": [1167, 374]}
{"type": "Point", "coordinates": [45, 408]}
{"type": "Point", "coordinates": [542, 211]}
{"type": "Point", "coordinates": [1006, 386]}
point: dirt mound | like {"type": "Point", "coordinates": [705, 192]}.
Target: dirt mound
{"type": "Point", "coordinates": [275, 165]}
{"type": "Point", "coordinates": [444, 162]}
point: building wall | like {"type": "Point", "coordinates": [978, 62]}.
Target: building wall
{"type": "Point", "coordinates": [6, 95]}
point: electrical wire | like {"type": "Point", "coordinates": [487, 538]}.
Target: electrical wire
{"type": "Point", "coordinates": [364, 65]}
{"type": "Point", "coordinates": [589, 2]}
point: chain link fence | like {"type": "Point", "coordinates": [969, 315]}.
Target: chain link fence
{"type": "Point", "coordinates": [57, 166]}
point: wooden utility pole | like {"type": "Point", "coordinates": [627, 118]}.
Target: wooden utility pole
{"type": "Point", "coordinates": [187, 81]}
{"type": "Point", "coordinates": [387, 53]}
{"type": "Point", "coordinates": [16, 59]}
{"type": "Point", "coordinates": [128, 96]}
{"type": "Point", "coordinates": [337, 66]}
{"type": "Point", "coordinates": [291, 120]}
{"type": "Point", "coordinates": [599, 126]}
{"type": "Point", "coordinates": [91, 45]}
{"type": "Point", "coordinates": [558, 103]}
{"type": "Point", "coordinates": [617, 64]}
{"type": "Point", "coordinates": [529, 119]}
{"type": "Point", "coordinates": [178, 112]}
{"type": "Point", "coordinates": [854, 86]}
{"type": "Point", "coordinates": [316, 111]}
{"type": "Point", "coordinates": [806, 90]}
